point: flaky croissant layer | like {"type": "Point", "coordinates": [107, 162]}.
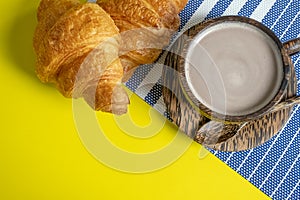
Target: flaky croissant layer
{"type": "Point", "coordinates": [88, 49]}
{"type": "Point", "coordinates": [143, 22]}
{"type": "Point", "coordinates": [77, 49]}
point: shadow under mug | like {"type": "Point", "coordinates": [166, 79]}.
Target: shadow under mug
{"type": "Point", "coordinates": [224, 32]}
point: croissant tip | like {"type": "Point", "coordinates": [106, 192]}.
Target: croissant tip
{"type": "Point", "coordinates": [121, 107]}
{"type": "Point", "coordinates": [119, 111]}
{"type": "Point", "coordinates": [116, 109]}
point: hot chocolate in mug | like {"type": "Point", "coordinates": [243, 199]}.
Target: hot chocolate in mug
{"type": "Point", "coordinates": [234, 69]}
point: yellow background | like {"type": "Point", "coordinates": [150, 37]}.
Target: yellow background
{"type": "Point", "coordinates": [42, 156]}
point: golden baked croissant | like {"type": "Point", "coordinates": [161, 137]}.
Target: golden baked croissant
{"type": "Point", "coordinates": [146, 27]}
{"type": "Point", "coordinates": [77, 49]}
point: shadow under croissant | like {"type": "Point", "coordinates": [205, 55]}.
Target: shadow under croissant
{"type": "Point", "coordinates": [19, 42]}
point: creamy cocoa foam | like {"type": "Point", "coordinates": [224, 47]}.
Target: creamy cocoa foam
{"type": "Point", "coordinates": [233, 68]}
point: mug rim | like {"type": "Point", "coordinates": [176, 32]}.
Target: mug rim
{"type": "Point", "coordinates": [204, 110]}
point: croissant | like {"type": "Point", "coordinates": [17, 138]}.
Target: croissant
{"type": "Point", "coordinates": [77, 49]}
{"type": "Point", "coordinates": [146, 27]}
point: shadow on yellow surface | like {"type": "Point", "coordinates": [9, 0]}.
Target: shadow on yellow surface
{"type": "Point", "coordinates": [20, 47]}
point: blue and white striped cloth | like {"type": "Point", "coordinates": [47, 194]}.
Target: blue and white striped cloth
{"type": "Point", "coordinates": [274, 167]}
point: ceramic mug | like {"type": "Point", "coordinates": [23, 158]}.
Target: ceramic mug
{"type": "Point", "coordinates": [234, 69]}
